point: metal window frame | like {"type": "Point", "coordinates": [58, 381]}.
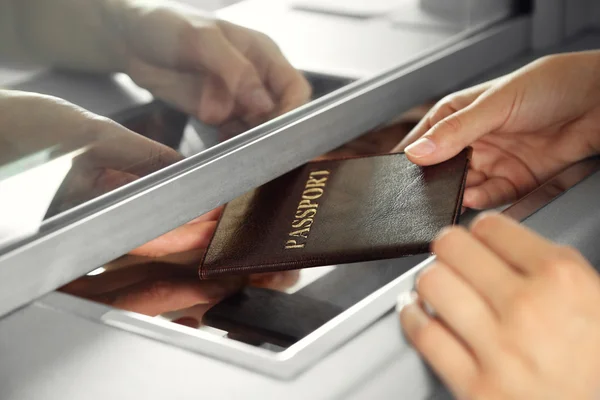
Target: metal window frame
{"type": "Point", "coordinates": [112, 225]}
{"type": "Point", "coordinates": [284, 365]}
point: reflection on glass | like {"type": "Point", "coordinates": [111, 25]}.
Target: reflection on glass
{"type": "Point", "coordinates": [211, 76]}
{"type": "Point", "coordinates": [211, 80]}
{"type": "Point", "coordinates": [27, 188]}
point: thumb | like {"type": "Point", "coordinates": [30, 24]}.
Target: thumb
{"type": "Point", "coordinates": [454, 133]}
{"type": "Point", "coordinates": [215, 54]}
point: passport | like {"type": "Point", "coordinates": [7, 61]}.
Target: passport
{"type": "Point", "coordinates": [337, 211]}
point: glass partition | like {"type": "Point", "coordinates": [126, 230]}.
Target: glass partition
{"type": "Point", "coordinates": [172, 77]}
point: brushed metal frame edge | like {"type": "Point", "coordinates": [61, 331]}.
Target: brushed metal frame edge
{"type": "Point", "coordinates": [284, 365]}
{"type": "Point", "coordinates": [190, 185]}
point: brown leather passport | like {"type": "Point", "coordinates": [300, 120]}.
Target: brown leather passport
{"type": "Point", "coordinates": [336, 212]}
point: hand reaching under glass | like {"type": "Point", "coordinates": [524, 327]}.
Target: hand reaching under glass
{"type": "Point", "coordinates": [524, 127]}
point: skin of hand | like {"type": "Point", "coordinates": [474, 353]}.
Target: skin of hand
{"type": "Point", "coordinates": [215, 70]}
{"type": "Point", "coordinates": [33, 122]}
{"type": "Point", "coordinates": [222, 73]}
{"type": "Point", "coordinates": [154, 288]}
{"type": "Point", "coordinates": [212, 69]}
{"type": "Point", "coordinates": [193, 236]}
{"type": "Point", "coordinates": [515, 316]}
{"type": "Point", "coordinates": [115, 156]}
{"type": "Point", "coordinates": [524, 127]}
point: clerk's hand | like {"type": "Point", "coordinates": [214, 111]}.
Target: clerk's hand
{"type": "Point", "coordinates": [154, 288]}
{"type": "Point", "coordinates": [215, 70]}
{"type": "Point", "coordinates": [516, 316]}
{"type": "Point", "coordinates": [524, 127]}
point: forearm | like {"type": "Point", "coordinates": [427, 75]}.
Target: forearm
{"type": "Point", "coordinates": [78, 34]}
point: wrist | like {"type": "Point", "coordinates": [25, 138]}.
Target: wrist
{"type": "Point", "coordinates": [146, 31]}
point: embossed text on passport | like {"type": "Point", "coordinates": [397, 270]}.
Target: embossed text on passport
{"type": "Point", "coordinates": [307, 209]}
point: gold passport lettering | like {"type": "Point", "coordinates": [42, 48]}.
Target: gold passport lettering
{"type": "Point", "coordinates": [307, 209]}
{"type": "Point", "coordinates": [292, 244]}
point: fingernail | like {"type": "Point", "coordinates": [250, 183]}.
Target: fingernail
{"type": "Point", "coordinates": [188, 321]}
{"type": "Point", "coordinates": [421, 148]}
{"type": "Point", "coordinates": [276, 280]}
{"type": "Point", "coordinates": [261, 102]}
{"type": "Point", "coordinates": [443, 232]}
{"type": "Point", "coordinates": [469, 197]}
{"type": "Point", "coordinates": [405, 299]}
{"type": "Point", "coordinates": [422, 272]}
{"type": "Point", "coordinates": [415, 317]}
{"type": "Point", "coordinates": [428, 309]}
